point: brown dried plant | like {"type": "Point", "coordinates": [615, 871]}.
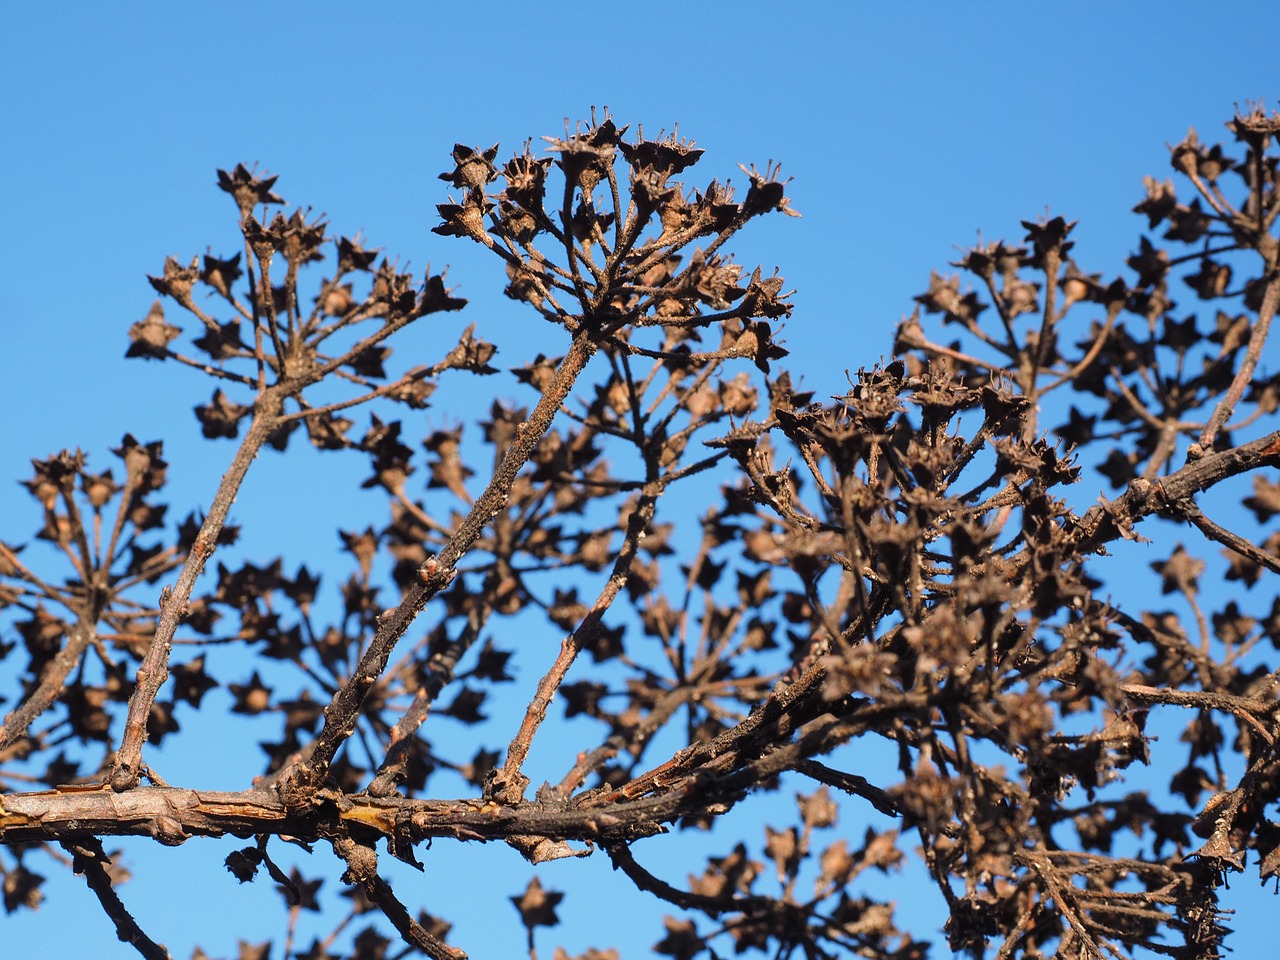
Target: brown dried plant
{"type": "Point", "coordinates": [903, 563]}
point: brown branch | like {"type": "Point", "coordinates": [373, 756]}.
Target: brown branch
{"type": "Point", "coordinates": [1257, 338]}
{"type": "Point", "coordinates": [211, 371]}
{"type": "Point", "coordinates": [1251, 711]}
{"type": "Point", "coordinates": [1113, 519]}
{"type": "Point", "coordinates": [86, 566]}
{"type": "Point", "coordinates": [154, 669]}
{"type": "Point", "coordinates": [1225, 210]}
{"type": "Point", "coordinates": [634, 741]}
{"type": "Point", "coordinates": [1099, 341]}
{"type": "Point", "coordinates": [623, 860]}
{"type": "Point", "coordinates": [1065, 903]}
{"type": "Point", "coordinates": [173, 815]}
{"type": "Point", "coordinates": [692, 781]}
{"type": "Point", "coordinates": [850, 783]}
{"type": "Point", "coordinates": [89, 859]}
{"type": "Point", "coordinates": [300, 779]}
{"type": "Point", "coordinates": [1231, 541]}
{"type": "Point", "coordinates": [1049, 319]}
{"type": "Point", "coordinates": [441, 671]}
{"type": "Point", "coordinates": [24, 573]}
{"type": "Point", "coordinates": [455, 358]}
{"type": "Point", "coordinates": [266, 297]}
{"type": "Point", "coordinates": [362, 870]}
{"type": "Point", "coordinates": [513, 782]}
{"type": "Point", "coordinates": [131, 480]}
{"type": "Point", "coordinates": [741, 746]}
{"type": "Point", "coordinates": [49, 689]}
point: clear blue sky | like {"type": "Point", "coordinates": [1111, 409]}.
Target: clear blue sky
{"type": "Point", "coordinates": [908, 128]}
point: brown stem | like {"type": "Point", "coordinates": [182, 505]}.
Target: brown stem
{"type": "Point", "coordinates": [154, 669]}
{"type": "Point", "coordinates": [634, 741]}
{"type": "Point", "coordinates": [1031, 363]}
{"type": "Point", "coordinates": [49, 688]}
{"type": "Point", "coordinates": [644, 880]}
{"type": "Point", "coordinates": [362, 870]}
{"type": "Point", "coordinates": [442, 667]}
{"type": "Point", "coordinates": [1251, 711]}
{"type": "Point", "coordinates": [1225, 537]}
{"type": "Point", "coordinates": [408, 378]}
{"type": "Point", "coordinates": [300, 779]}
{"type": "Point", "coordinates": [1227, 405]}
{"type": "Point", "coordinates": [173, 815]}
{"type": "Point", "coordinates": [1099, 341]}
{"type": "Point", "coordinates": [131, 480]}
{"type": "Point", "coordinates": [24, 573]}
{"type": "Point", "coordinates": [1064, 902]}
{"type": "Point", "coordinates": [211, 371]}
{"type": "Point", "coordinates": [850, 783]}
{"type": "Point", "coordinates": [512, 780]}
{"type": "Point", "coordinates": [89, 859]}
{"type": "Point", "coordinates": [1114, 519]}
{"type": "Point", "coordinates": [268, 301]}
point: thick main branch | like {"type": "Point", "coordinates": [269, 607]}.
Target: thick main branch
{"type": "Point", "coordinates": [173, 815]}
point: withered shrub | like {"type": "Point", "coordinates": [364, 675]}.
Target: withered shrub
{"type": "Point", "coordinates": [906, 563]}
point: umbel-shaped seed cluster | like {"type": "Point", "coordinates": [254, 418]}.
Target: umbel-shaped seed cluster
{"type": "Point", "coordinates": [672, 579]}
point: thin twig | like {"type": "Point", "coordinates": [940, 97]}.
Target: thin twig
{"type": "Point", "coordinates": [1231, 541]}
{"type": "Point", "coordinates": [49, 689]}
{"type": "Point", "coordinates": [1257, 339]}
{"type": "Point", "coordinates": [513, 782]}
{"type": "Point", "coordinates": [89, 859]}
{"type": "Point", "coordinates": [154, 669]}
{"type": "Point", "coordinates": [362, 869]}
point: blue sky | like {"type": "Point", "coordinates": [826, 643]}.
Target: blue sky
{"type": "Point", "coordinates": [908, 129]}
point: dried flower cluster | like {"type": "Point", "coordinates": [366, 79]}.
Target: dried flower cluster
{"type": "Point", "coordinates": [903, 563]}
